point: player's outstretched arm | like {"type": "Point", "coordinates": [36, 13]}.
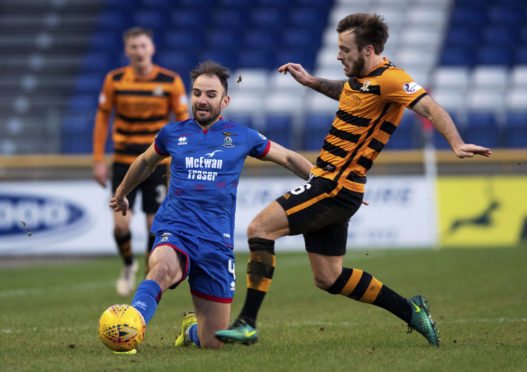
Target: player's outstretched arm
{"type": "Point", "coordinates": [291, 160]}
{"type": "Point", "coordinates": [443, 123]}
{"type": "Point", "coordinates": [140, 169]}
{"type": "Point", "coordinates": [331, 88]}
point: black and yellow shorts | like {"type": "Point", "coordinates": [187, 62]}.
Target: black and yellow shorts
{"type": "Point", "coordinates": [320, 210]}
{"type": "Point", "coordinates": [153, 188]}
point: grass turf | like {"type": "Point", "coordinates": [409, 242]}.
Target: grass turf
{"type": "Point", "coordinates": [49, 314]}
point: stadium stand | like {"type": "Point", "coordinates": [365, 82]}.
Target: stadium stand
{"type": "Point", "coordinates": [470, 54]}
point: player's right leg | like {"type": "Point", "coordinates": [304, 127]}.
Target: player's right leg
{"type": "Point", "coordinates": [167, 268]}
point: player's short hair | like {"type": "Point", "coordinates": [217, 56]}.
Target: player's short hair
{"type": "Point", "coordinates": [212, 68]}
{"type": "Point", "coordinates": [369, 29]}
{"type": "Point", "coordinates": [136, 31]}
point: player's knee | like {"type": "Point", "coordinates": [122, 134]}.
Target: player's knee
{"type": "Point", "coordinates": [121, 230]}
{"type": "Point", "coordinates": [324, 282]}
{"type": "Point", "coordinates": [255, 229]}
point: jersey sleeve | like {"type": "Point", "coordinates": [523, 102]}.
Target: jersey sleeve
{"type": "Point", "coordinates": [102, 119]}
{"type": "Point", "coordinates": [397, 86]}
{"type": "Point", "coordinates": [259, 145]}
{"type": "Point", "coordinates": [179, 100]}
{"type": "Point", "coordinates": [160, 140]}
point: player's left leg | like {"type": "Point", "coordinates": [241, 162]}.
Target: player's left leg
{"type": "Point", "coordinates": [211, 317]}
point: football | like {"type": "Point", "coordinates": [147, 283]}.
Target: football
{"type": "Point", "coordinates": [121, 327]}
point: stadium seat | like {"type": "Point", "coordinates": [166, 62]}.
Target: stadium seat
{"type": "Point", "coordinates": [492, 77]}
{"type": "Point", "coordinates": [183, 40]}
{"type": "Point", "coordinates": [405, 137]}
{"type": "Point", "coordinates": [185, 19]}
{"type": "Point", "coordinates": [83, 102]}
{"type": "Point", "coordinates": [518, 76]}
{"type": "Point", "coordinates": [282, 102]}
{"type": "Point", "coordinates": [462, 36]}
{"type": "Point", "coordinates": [485, 100]}
{"type": "Point", "coordinates": [279, 128]}
{"type": "Point", "coordinates": [508, 14]}
{"type": "Point", "coordinates": [316, 127]}
{"type": "Point", "coordinates": [227, 39]}
{"type": "Point", "coordinates": [502, 35]}
{"type": "Point", "coordinates": [469, 15]}
{"type": "Point", "coordinates": [494, 55]}
{"type": "Point", "coordinates": [271, 18]}
{"type": "Point", "coordinates": [152, 19]}
{"type": "Point", "coordinates": [178, 60]}
{"type": "Point", "coordinates": [457, 56]}
{"type": "Point", "coordinates": [520, 55]}
{"type": "Point", "coordinates": [451, 99]}
{"type": "Point", "coordinates": [112, 20]}
{"type": "Point", "coordinates": [317, 102]}
{"type": "Point", "coordinates": [516, 98]}
{"type": "Point", "coordinates": [105, 41]}
{"type": "Point", "coordinates": [242, 119]}
{"type": "Point", "coordinates": [255, 58]}
{"type": "Point", "coordinates": [244, 103]}
{"type": "Point", "coordinates": [250, 79]}
{"type": "Point", "coordinates": [90, 83]}
{"type": "Point", "coordinates": [298, 55]}
{"type": "Point", "coordinates": [220, 55]}
{"type": "Point", "coordinates": [482, 128]}
{"type": "Point", "coordinates": [259, 38]}
{"type": "Point", "coordinates": [515, 130]}
{"type": "Point", "coordinates": [230, 19]}
{"type": "Point", "coordinates": [455, 78]}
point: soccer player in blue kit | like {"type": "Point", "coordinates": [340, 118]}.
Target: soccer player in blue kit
{"type": "Point", "coordinates": [194, 226]}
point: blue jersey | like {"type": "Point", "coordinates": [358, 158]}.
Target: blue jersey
{"type": "Point", "coordinates": [204, 174]}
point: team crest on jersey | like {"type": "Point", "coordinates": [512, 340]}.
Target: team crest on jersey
{"type": "Point", "coordinates": [365, 86]}
{"type": "Point", "coordinates": [227, 142]}
{"type": "Point", "coordinates": [158, 91]}
{"type": "Point", "coordinates": [165, 237]}
{"type": "Point", "coordinates": [412, 87]}
{"type": "Point", "coordinates": [182, 141]}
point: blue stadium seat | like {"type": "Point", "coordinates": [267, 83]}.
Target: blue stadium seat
{"type": "Point", "coordinates": [482, 128]}
{"type": "Point", "coordinates": [152, 19]}
{"type": "Point", "coordinates": [183, 39]}
{"type": "Point", "coordinates": [255, 58]}
{"type": "Point", "coordinates": [242, 119]}
{"type": "Point", "coordinates": [456, 56]}
{"type": "Point", "coordinates": [187, 19]}
{"type": "Point", "coordinates": [223, 38]}
{"type": "Point", "coordinates": [105, 41]}
{"type": "Point", "coordinates": [308, 17]}
{"type": "Point", "coordinates": [304, 37]}
{"type": "Point", "coordinates": [156, 4]}
{"type": "Point", "coordinates": [469, 16]}
{"type": "Point", "coordinates": [405, 137]}
{"type": "Point", "coordinates": [230, 19]}
{"type": "Point", "coordinates": [260, 38]}
{"type": "Point", "coordinates": [220, 55]}
{"type": "Point", "coordinates": [462, 36]}
{"type": "Point", "coordinates": [316, 127]}
{"type": "Point", "coordinates": [520, 55]}
{"type": "Point", "coordinates": [181, 61]}
{"type": "Point", "coordinates": [494, 55]}
{"type": "Point", "coordinates": [507, 14]}
{"type": "Point", "coordinates": [99, 62]}
{"type": "Point", "coordinates": [83, 102]}
{"type": "Point", "coordinates": [515, 131]}
{"type": "Point", "coordinates": [500, 35]}
{"type": "Point", "coordinates": [113, 20]}
{"type": "Point", "coordinates": [89, 83]}
{"type": "Point", "coordinates": [304, 57]}
{"type": "Point", "coordinates": [267, 17]}
{"type": "Point", "coordinates": [279, 128]}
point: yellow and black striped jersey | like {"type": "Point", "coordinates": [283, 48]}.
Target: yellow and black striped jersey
{"type": "Point", "coordinates": [370, 109]}
{"type": "Point", "coordinates": [142, 107]}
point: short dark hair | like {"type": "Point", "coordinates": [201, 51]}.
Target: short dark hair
{"type": "Point", "coordinates": [136, 31]}
{"type": "Point", "coordinates": [212, 68]}
{"type": "Point", "coordinates": [369, 29]}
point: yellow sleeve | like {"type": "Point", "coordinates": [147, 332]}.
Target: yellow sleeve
{"type": "Point", "coordinates": [397, 86]}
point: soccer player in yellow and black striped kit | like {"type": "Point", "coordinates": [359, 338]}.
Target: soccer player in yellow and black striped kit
{"type": "Point", "coordinates": [143, 96]}
{"type": "Point", "coordinates": [371, 104]}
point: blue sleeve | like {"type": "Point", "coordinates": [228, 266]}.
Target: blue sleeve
{"type": "Point", "coordinates": [159, 143]}
{"type": "Point", "coordinates": [258, 144]}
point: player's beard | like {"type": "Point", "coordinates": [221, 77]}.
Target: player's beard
{"type": "Point", "coordinates": [356, 68]}
{"type": "Point", "coordinates": [214, 114]}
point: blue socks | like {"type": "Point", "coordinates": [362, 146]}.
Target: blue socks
{"type": "Point", "coordinates": [193, 334]}
{"type": "Point", "coordinates": [146, 299]}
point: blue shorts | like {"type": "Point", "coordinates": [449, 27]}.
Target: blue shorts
{"type": "Point", "coordinates": [209, 265]}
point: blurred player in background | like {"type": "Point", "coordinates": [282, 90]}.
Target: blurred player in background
{"type": "Point", "coordinates": [195, 225]}
{"type": "Point", "coordinates": [143, 95]}
{"type": "Point", "coordinates": [371, 104]}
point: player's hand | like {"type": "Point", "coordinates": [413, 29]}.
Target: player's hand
{"type": "Point", "coordinates": [469, 150]}
{"type": "Point", "coordinates": [297, 71]}
{"type": "Point", "coordinates": [119, 205]}
{"type": "Point", "coordinates": [100, 173]}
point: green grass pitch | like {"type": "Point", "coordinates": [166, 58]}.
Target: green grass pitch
{"type": "Point", "coordinates": [49, 314]}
